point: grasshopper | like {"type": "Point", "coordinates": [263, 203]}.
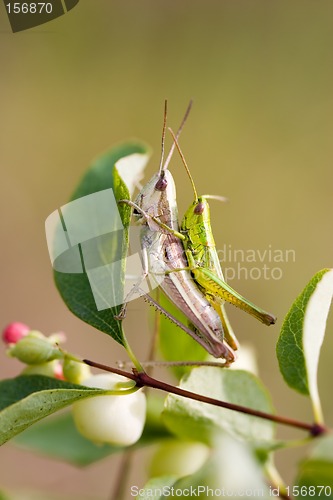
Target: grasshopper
{"type": "Point", "coordinates": [155, 208]}
{"type": "Point", "coordinates": [203, 262]}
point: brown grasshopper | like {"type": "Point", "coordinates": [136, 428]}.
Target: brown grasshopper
{"type": "Point", "coordinates": [155, 208]}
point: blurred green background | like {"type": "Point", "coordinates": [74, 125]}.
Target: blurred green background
{"type": "Point", "coordinates": [260, 133]}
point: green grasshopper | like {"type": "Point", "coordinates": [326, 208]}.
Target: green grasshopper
{"type": "Point", "coordinates": [155, 209]}
{"type": "Point", "coordinates": [203, 262]}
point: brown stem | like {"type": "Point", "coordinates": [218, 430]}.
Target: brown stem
{"type": "Point", "coordinates": [142, 379]}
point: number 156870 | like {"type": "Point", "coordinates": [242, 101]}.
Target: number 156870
{"type": "Point", "coordinates": [29, 8]}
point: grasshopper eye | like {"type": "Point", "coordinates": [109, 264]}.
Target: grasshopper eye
{"type": "Point", "coordinates": [161, 184]}
{"type": "Point", "coordinates": [136, 211]}
{"type": "Point", "coordinates": [199, 208]}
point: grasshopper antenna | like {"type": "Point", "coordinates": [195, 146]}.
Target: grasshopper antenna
{"type": "Point", "coordinates": [215, 197]}
{"type": "Point", "coordinates": [175, 142]}
{"type": "Point", "coordinates": [187, 112]}
{"type": "Point", "coordinates": [207, 196]}
{"type": "Point", "coordinates": [163, 135]}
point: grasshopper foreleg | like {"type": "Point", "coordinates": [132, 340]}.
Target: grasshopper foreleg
{"type": "Point", "coordinates": [153, 223]}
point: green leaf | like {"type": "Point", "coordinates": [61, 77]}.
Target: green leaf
{"type": "Point", "coordinates": [27, 399]}
{"type": "Point", "coordinates": [176, 457]}
{"type": "Point", "coordinates": [200, 421]}
{"type": "Point", "coordinates": [220, 473]}
{"type": "Point", "coordinates": [83, 272]}
{"type": "Point", "coordinates": [323, 449]}
{"type": "Point", "coordinates": [315, 478]}
{"type": "Point", "coordinates": [302, 335]}
{"type": "Point", "coordinates": [153, 490]}
{"type": "Point", "coordinates": [232, 469]}
{"type": "Point", "coordinates": [174, 343]}
{"type": "Point", "coordinates": [57, 437]}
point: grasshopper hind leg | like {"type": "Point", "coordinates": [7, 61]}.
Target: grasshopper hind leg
{"type": "Point", "coordinates": [226, 353]}
{"type": "Point", "coordinates": [229, 335]}
{"type": "Point", "coordinates": [225, 293]}
{"type": "Point", "coordinates": [228, 331]}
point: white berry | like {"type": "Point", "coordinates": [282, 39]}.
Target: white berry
{"type": "Point", "coordinates": [115, 420]}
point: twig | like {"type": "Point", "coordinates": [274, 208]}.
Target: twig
{"type": "Point", "coordinates": [142, 379]}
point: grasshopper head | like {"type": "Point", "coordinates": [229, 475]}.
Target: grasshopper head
{"type": "Point", "coordinates": [158, 198]}
{"type": "Point", "coordinates": [198, 213]}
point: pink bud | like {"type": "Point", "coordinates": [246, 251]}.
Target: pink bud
{"type": "Point", "coordinates": [58, 372]}
{"type": "Point", "coordinates": [15, 332]}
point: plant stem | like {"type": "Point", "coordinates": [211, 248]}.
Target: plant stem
{"type": "Point", "coordinates": [153, 344]}
{"type": "Point", "coordinates": [142, 379]}
{"type": "Point", "coordinates": [168, 364]}
{"type": "Point", "coordinates": [132, 356]}
{"type": "Point", "coordinates": [284, 496]}
{"type": "Point", "coordinates": [275, 478]}
{"type": "Point", "coordinates": [119, 489]}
